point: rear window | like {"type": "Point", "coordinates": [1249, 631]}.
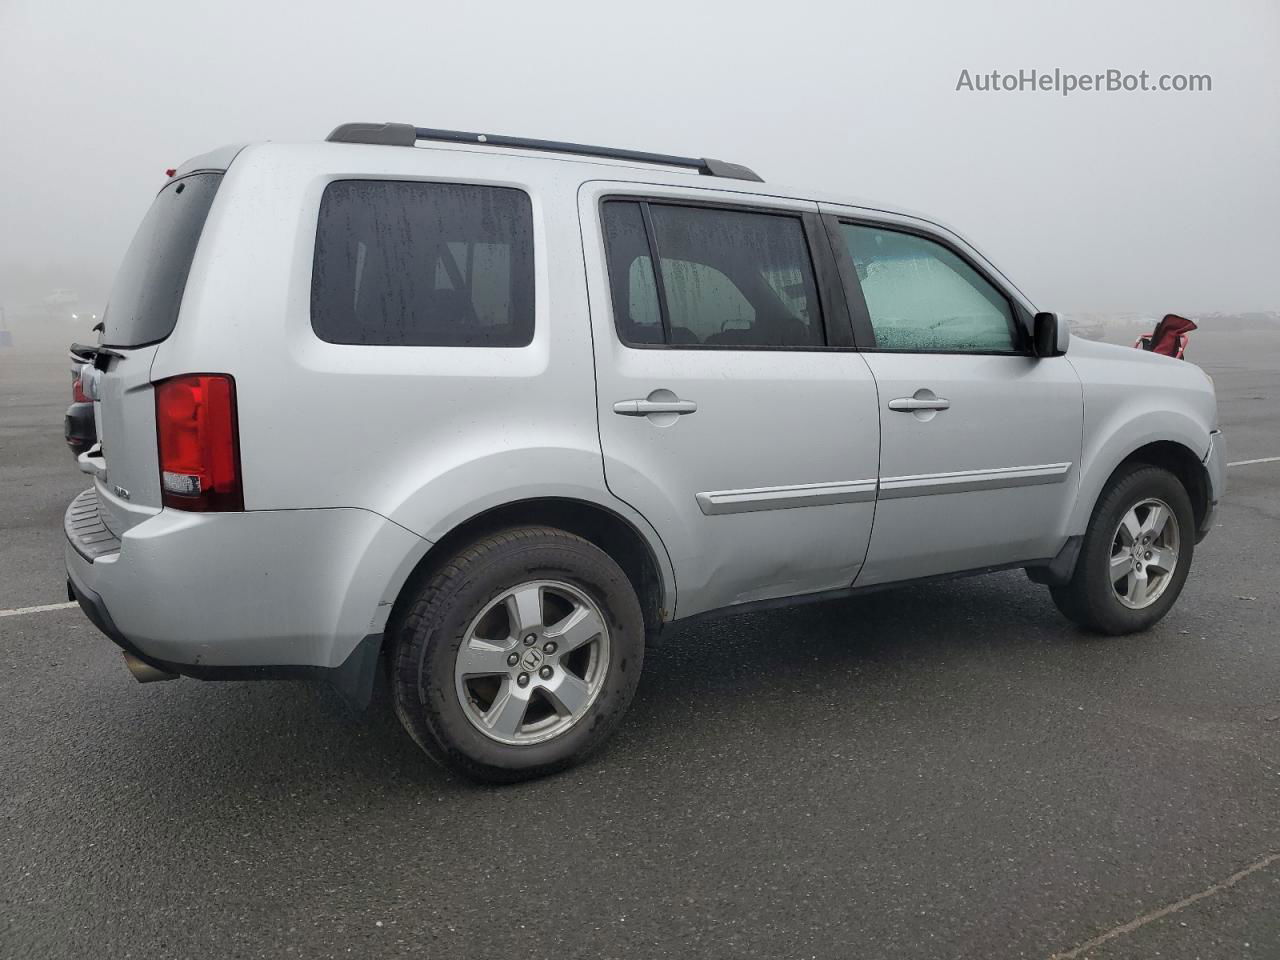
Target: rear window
{"type": "Point", "coordinates": [423, 264]}
{"type": "Point", "coordinates": [148, 289]}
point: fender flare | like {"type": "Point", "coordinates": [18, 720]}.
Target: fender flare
{"type": "Point", "coordinates": [534, 494]}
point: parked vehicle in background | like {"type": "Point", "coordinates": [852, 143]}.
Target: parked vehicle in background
{"type": "Point", "coordinates": [61, 302]}
{"type": "Point", "coordinates": [78, 427]}
{"type": "Point", "coordinates": [500, 411]}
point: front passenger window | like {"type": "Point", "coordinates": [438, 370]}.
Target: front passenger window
{"type": "Point", "coordinates": [922, 297]}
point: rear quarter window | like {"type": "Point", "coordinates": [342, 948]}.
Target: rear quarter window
{"type": "Point", "coordinates": [148, 288]}
{"type": "Point", "coordinates": [406, 263]}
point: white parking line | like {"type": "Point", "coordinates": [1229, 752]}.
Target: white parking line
{"type": "Point", "coordinates": [1245, 463]}
{"type": "Point", "coordinates": [1164, 911]}
{"type": "Point", "coordinates": [19, 611]}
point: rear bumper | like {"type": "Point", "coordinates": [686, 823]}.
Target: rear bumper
{"type": "Point", "coordinates": [353, 678]}
{"type": "Point", "coordinates": [1215, 469]}
{"type": "Point", "coordinates": [240, 595]}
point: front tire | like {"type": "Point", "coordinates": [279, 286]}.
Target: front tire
{"type": "Point", "coordinates": [519, 655]}
{"type": "Point", "coordinates": [1135, 556]}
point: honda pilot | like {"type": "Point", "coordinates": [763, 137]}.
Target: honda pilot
{"type": "Point", "coordinates": [479, 417]}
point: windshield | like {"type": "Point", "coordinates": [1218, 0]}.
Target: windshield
{"type": "Point", "coordinates": [148, 289]}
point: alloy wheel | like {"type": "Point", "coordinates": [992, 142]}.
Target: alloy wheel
{"type": "Point", "coordinates": [1144, 553]}
{"type": "Point", "coordinates": [532, 662]}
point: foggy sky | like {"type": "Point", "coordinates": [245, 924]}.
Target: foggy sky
{"type": "Point", "coordinates": [1098, 201]}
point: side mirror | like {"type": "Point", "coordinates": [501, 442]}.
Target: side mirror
{"type": "Point", "coordinates": [1049, 336]}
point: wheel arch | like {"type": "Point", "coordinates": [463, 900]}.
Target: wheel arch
{"type": "Point", "coordinates": [1172, 455]}
{"type": "Point", "coordinates": [642, 557]}
{"type": "Point", "coordinates": [1184, 464]}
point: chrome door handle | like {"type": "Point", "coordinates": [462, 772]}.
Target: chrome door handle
{"type": "Point", "coordinates": [642, 408]}
{"type": "Point", "coordinates": [912, 404]}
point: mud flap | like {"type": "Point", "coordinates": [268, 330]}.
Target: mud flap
{"type": "Point", "coordinates": [354, 680]}
{"type": "Point", "coordinates": [1058, 571]}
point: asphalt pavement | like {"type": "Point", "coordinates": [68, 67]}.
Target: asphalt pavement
{"type": "Point", "coordinates": [949, 770]}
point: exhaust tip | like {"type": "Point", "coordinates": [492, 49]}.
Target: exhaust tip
{"type": "Point", "coordinates": [144, 672]}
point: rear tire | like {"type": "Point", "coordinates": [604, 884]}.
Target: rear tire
{"type": "Point", "coordinates": [519, 655]}
{"type": "Point", "coordinates": [1135, 556]}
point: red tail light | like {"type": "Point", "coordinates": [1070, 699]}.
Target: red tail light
{"type": "Point", "coordinates": [199, 444]}
{"type": "Point", "coordinates": [77, 390]}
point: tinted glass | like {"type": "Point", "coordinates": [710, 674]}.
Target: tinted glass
{"type": "Point", "coordinates": [423, 264]}
{"type": "Point", "coordinates": [637, 315]}
{"type": "Point", "coordinates": [736, 279]}
{"type": "Point", "coordinates": [729, 278]}
{"type": "Point", "coordinates": [704, 302]}
{"type": "Point", "coordinates": [148, 289]}
{"type": "Point", "coordinates": [922, 297]}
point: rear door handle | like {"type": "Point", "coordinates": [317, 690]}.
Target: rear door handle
{"type": "Point", "coordinates": [642, 408]}
{"type": "Point", "coordinates": [912, 404]}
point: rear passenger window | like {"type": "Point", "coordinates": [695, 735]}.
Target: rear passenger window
{"type": "Point", "coordinates": [636, 311]}
{"type": "Point", "coordinates": [703, 302]}
{"type": "Point", "coordinates": [725, 278]}
{"type": "Point", "coordinates": [423, 264]}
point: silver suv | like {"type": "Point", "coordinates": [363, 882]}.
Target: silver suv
{"type": "Point", "coordinates": [494, 412]}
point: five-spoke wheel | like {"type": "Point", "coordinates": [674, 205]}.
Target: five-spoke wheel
{"type": "Point", "coordinates": [1144, 553]}
{"type": "Point", "coordinates": [1135, 554]}
{"type": "Point", "coordinates": [519, 654]}
{"type": "Point", "coordinates": [532, 662]}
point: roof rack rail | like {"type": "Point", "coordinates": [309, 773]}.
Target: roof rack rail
{"type": "Point", "coordinates": [406, 135]}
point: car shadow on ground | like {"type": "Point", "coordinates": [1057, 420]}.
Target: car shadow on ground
{"type": "Point", "coordinates": [801, 662]}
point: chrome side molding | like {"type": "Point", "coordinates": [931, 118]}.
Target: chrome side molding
{"type": "Point", "coordinates": [719, 502]}
{"type": "Point", "coordinates": [930, 484]}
